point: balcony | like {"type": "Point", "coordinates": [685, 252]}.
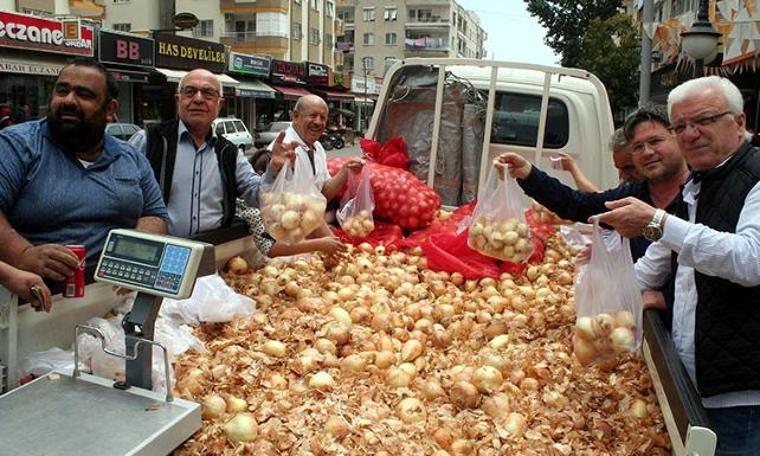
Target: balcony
{"type": "Point", "coordinates": [344, 46]}
{"type": "Point", "coordinates": [428, 22]}
{"type": "Point", "coordinates": [251, 36]}
{"type": "Point", "coordinates": [268, 43]}
{"type": "Point", "coordinates": [254, 6]}
{"type": "Point", "coordinates": [426, 44]}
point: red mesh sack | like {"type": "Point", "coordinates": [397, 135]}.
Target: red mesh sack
{"type": "Point", "coordinates": [388, 235]}
{"type": "Point", "coordinates": [450, 252]}
{"type": "Point", "coordinates": [393, 153]}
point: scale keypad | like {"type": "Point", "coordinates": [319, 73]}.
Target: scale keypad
{"type": "Point", "coordinates": [172, 268]}
{"type": "Point", "coordinates": [124, 270]}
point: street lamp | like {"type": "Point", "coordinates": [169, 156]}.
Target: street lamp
{"type": "Point", "coordinates": [701, 41]}
{"type": "Point", "coordinates": [363, 110]}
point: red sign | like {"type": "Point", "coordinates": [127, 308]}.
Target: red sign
{"type": "Point", "coordinates": [45, 35]}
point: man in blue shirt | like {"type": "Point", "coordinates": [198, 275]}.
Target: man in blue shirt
{"type": "Point", "coordinates": [64, 182]}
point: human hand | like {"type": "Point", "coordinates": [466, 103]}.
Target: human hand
{"type": "Point", "coordinates": [330, 245]}
{"type": "Point", "coordinates": [628, 216]}
{"type": "Point", "coordinates": [518, 166]}
{"type": "Point", "coordinates": [355, 165]}
{"type": "Point", "coordinates": [653, 300]}
{"type": "Point", "coordinates": [282, 153]}
{"type": "Point", "coordinates": [30, 287]}
{"type": "Point", "coordinates": [566, 162]}
{"type": "Point", "coordinates": [52, 261]}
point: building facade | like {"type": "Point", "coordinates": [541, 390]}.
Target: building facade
{"type": "Point", "coordinates": [376, 34]}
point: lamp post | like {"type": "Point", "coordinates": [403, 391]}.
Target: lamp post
{"type": "Point", "coordinates": [700, 42]}
{"type": "Point", "coordinates": [363, 118]}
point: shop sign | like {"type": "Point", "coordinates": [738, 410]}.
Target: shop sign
{"type": "Point", "coordinates": [284, 71]}
{"type": "Point", "coordinates": [124, 49]}
{"type": "Point", "coordinates": [32, 33]}
{"type": "Point", "coordinates": [41, 69]}
{"type": "Point", "coordinates": [183, 53]}
{"type": "Point", "coordinates": [362, 85]}
{"type": "Point", "coordinates": [317, 73]}
{"type": "Point", "coordinates": [250, 65]}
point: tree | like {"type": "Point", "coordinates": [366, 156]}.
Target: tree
{"type": "Point", "coordinates": [610, 50]}
{"type": "Point", "coordinates": [566, 22]}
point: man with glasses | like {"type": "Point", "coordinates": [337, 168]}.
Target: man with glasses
{"type": "Point", "coordinates": [200, 174]}
{"type": "Point", "coordinates": [711, 251]}
{"type": "Point", "coordinates": [63, 181]}
{"type": "Point", "coordinates": [655, 156]}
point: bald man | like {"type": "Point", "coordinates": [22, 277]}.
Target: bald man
{"type": "Point", "coordinates": [200, 174]}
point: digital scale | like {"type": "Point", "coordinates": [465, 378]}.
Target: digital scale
{"type": "Point", "coordinates": [77, 413]}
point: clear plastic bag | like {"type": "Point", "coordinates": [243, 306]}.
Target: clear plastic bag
{"type": "Point", "coordinates": [292, 207]}
{"type": "Point", "coordinates": [497, 226]}
{"type": "Point", "coordinates": [212, 301]}
{"type": "Point", "coordinates": [40, 363]}
{"type": "Point", "coordinates": [608, 302]}
{"type": "Point", "coordinates": [356, 206]}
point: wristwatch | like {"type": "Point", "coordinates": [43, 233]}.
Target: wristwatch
{"type": "Point", "coordinates": [653, 231]}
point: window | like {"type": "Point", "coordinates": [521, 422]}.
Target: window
{"type": "Point", "coordinates": [314, 4]}
{"type": "Point", "coordinates": [390, 38]}
{"type": "Point", "coordinates": [330, 9]}
{"type": "Point", "coordinates": [369, 39]}
{"type": "Point", "coordinates": [121, 1]}
{"type": "Point", "coordinates": [122, 27]}
{"type": "Point", "coordinates": [328, 40]}
{"type": "Point", "coordinates": [297, 35]}
{"type": "Point", "coordinates": [390, 14]}
{"type": "Point", "coordinates": [389, 61]}
{"type": "Point", "coordinates": [368, 63]}
{"type": "Point", "coordinates": [421, 15]}
{"type": "Point", "coordinates": [204, 28]}
{"type": "Point", "coordinates": [515, 121]}
{"type": "Point", "coordinates": [314, 36]}
{"type": "Point", "coordinates": [369, 14]}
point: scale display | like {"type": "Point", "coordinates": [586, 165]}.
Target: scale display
{"type": "Point", "coordinates": [159, 265]}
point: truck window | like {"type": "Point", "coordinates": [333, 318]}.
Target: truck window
{"type": "Point", "coordinates": [515, 121]}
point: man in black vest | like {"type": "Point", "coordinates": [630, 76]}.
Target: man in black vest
{"type": "Point", "coordinates": [200, 173]}
{"type": "Point", "coordinates": [712, 247]}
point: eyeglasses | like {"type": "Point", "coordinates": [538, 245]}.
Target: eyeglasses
{"type": "Point", "coordinates": [207, 92]}
{"type": "Point", "coordinates": [698, 122]}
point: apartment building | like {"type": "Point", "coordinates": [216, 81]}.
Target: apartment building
{"type": "Point", "coordinates": [376, 34]}
{"type": "Point", "coordinates": [293, 30]}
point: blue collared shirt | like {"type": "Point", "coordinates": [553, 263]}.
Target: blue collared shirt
{"type": "Point", "coordinates": [48, 196]}
{"type": "Point", "coordinates": [197, 192]}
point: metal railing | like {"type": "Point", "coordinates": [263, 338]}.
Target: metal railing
{"type": "Point", "coordinates": [251, 36]}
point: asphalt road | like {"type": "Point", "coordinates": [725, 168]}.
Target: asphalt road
{"type": "Point", "coordinates": [348, 151]}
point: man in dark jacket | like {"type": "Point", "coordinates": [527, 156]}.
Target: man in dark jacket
{"type": "Point", "coordinates": [200, 173]}
{"type": "Point", "coordinates": [711, 251]}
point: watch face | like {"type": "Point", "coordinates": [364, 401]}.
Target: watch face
{"type": "Point", "coordinates": [652, 232]}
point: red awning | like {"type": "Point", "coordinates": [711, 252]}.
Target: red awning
{"type": "Point", "coordinates": [291, 92]}
{"type": "Point", "coordinates": [335, 94]}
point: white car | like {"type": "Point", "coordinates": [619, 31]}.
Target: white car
{"type": "Point", "coordinates": [235, 131]}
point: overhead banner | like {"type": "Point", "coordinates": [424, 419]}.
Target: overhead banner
{"type": "Point", "coordinates": [125, 49]}
{"type": "Point", "coordinates": [183, 53]}
{"type": "Point", "coordinates": [250, 65]}
{"type": "Point", "coordinates": [32, 33]}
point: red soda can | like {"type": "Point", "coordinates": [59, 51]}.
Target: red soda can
{"type": "Point", "coordinates": [73, 287]}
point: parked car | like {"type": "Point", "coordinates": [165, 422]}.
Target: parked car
{"type": "Point", "coordinates": [270, 133]}
{"type": "Point", "coordinates": [235, 131]}
{"type": "Point", "coordinates": [122, 131]}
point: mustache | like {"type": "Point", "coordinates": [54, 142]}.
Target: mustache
{"type": "Point", "coordinates": [70, 111]}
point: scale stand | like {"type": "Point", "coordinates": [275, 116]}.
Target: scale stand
{"type": "Point", "coordinates": [139, 327]}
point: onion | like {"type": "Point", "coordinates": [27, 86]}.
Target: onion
{"type": "Point", "coordinates": [213, 406]}
{"type": "Point", "coordinates": [584, 351]}
{"type": "Point", "coordinates": [385, 359]}
{"type": "Point", "coordinates": [341, 316]}
{"type": "Point", "coordinates": [623, 339]}
{"type": "Point", "coordinates": [497, 406]}
{"type": "Point", "coordinates": [292, 289]}
{"type": "Point", "coordinates": [411, 350]}
{"type": "Point", "coordinates": [274, 348]}
{"type": "Point", "coordinates": [236, 404]}
{"type": "Point", "coordinates": [464, 395]}
{"type": "Point", "coordinates": [499, 342]}
{"type": "Point", "coordinates": [242, 428]}
{"type": "Point", "coordinates": [624, 318]}
{"type": "Point", "coordinates": [603, 324]}
{"type": "Point", "coordinates": [442, 437]}
{"type": "Point", "coordinates": [321, 381]}
{"type": "Point", "coordinates": [353, 364]}
{"type": "Point", "coordinates": [398, 378]}
{"type": "Point", "coordinates": [237, 265]}
{"type": "Point", "coordinates": [639, 409]}
{"type": "Point", "coordinates": [516, 424]}
{"type": "Point", "coordinates": [487, 379]}
{"type": "Point", "coordinates": [584, 328]}
{"type": "Point", "coordinates": [432, 390]}
{"type": "Point", "coordinates": [325, 346]}
{"type": "Point", "coordinates": [411, 410]}
{"type": "Point", "coordinates": [336, 426]}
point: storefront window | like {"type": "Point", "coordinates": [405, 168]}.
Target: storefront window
{"type": "Point", "coordinates": [19, 90]}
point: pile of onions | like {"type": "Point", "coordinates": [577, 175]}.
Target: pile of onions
{"type": "Point", "coordinates": [380, 355]}
{"type": "Point", "coordinates": [603, 337]}
{"type": "Point", "coordinates": [507, 240]}
{"type": "Point", "coordinates": [290, 217]}
{"type": "Point", "coordinates": [359, 225]}
{"type": "Point", "coordinates": [543, 215]}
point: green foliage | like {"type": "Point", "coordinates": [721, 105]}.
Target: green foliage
{"type": "Point", "coordinates": [610, 50]}
{"type": "Point", "coordinates": [566, 22]}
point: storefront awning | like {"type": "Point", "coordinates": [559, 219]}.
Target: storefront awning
{"type": "Point", "coordinates": [291, 92]}
{"type": "Point", "coordinates": [177, 75]}
{"type": "Point", "coordinates": [334, 94]}
{"type": "Point", "coordinates": [253, 88]}
{"type": "Point", "coordinates": [31, 66]}
{"type": "Point", "coordinates": [362, 99]}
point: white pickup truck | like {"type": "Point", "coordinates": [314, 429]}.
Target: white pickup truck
{"type": "Point", "coordinates": [531, 109]}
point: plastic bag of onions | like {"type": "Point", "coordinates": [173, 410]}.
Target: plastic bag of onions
{"type": "Point", "coordinates": [498, 228]}
{"type": "Point", "coordinates": [357, 204]}
{"type": "Point", "coordinates": [608, 302]}
{"type": "Point", "coordinates": [292, 206]}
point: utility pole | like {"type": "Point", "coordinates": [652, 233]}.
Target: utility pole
{"type": "Point", "coordinates": [645, 67]}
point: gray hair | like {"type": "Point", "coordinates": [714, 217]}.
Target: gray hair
{"type": "Point", "coordinates": [618, 141]}
{"type": "Point", "coordinates": [700, 85]}
{"type": "Point", "coordinates": [301, 102]}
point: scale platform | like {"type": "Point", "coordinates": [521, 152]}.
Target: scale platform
{"type": "Point", "coordinates": [59, 415]}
